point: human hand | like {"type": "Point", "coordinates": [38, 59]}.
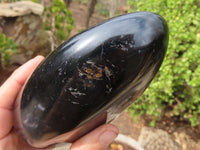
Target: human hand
{"type": "Point", "coordinates": [97, 139]}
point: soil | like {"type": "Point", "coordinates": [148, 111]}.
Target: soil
{"type": "Point", "coordinates": [79, 15]}
{"type": "Point", "coordinates": [6, 72]}
{"type": "Point", "coordinates": [174, 126]}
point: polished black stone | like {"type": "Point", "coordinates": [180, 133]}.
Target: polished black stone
{"type": "Point", "coordinates": [91, 78]}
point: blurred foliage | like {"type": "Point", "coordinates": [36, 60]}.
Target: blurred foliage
{"type": "Point", "coordinates": [8, 1]}
{"type": "Point", "coordinates": [177, 85]}
{"type": "Point", "coordinates": [102, 10]}
{"type": "Point", "coordinates": [7, 48]}
{"type": "Point", "coordinates": [36, 1]}
{"type": "Point", "coordinates": [82, 1]}
{"type": "Point", "coordinates": [58, 19]}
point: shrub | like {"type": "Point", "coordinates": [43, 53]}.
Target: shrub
{"type": "Point", "coordinates": [58, 19]}
{"type": "Point", "coordinates": [102, 10]}
{"type": "Point", "coordinates": [177, 85]}
{"type": "Point", "coordinates": [7, 48]}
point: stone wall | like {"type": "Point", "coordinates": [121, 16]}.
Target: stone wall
{"type": "Point", "coordinates": [22, 21]}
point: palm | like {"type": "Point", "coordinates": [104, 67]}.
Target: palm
{"type": "Point", "coordinates": [13, 142]}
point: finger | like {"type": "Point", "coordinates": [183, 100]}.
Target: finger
{"type": "Point", "coordinates": [98, 139]}
{"type": "Point", "coordinates": [10, 89]}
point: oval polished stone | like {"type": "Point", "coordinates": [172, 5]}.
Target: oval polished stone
{"type": "Point", "coordinates": [91, 78]}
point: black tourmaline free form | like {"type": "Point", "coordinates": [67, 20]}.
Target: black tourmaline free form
{"type": "Point", "coordinates": [91, 78]}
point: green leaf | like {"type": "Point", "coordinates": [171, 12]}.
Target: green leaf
{"type": "Point", "coordinates": [177, 83]}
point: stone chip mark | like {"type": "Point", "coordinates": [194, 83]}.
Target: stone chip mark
{"type": "Point", "coordinates": [94, 72]}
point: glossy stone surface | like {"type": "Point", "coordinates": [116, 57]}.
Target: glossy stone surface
{"type": "Point", "coordinates": [91, 78]}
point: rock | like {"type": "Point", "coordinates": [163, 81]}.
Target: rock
{"type": "Point", "coordinates": [24, 24]}
{"type": "Point", "coordinates": [20, 8]}
{"type": "Point", "coordinates": [157, 139]}
{"type": "Point", "coordinates": [18, 59]}
{"type": "Point", "coordinates": [185, 141]}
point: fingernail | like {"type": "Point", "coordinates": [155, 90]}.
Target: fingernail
{"type": "Point", "coordinates": [107, 137]}
{"type": "Point", "coordinates": [38, 57]}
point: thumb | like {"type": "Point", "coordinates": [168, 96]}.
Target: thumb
{"type": "Point", "coordinates": [98, 139]}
